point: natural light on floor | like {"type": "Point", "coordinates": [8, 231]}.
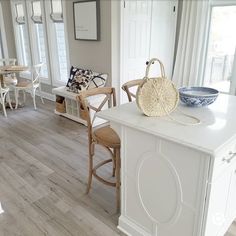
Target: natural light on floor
{"type": "Point", "coordinates": [1, 210]}
{"type": "Point", "coordinates": [221, 48]}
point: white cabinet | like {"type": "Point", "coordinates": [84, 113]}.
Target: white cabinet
{"type": "Point", "coordinates": [72, 106]}
{"type": "Point", "coordinates": [218, 201]}
{"type": "Point", "coordinates": [231, 208]}
{"type": "Point", "coordinates": [222, 201]}
{"type": "Point", "coordinates": [162, 186]}
{"type": "Point", "coordinates": [177, 180]}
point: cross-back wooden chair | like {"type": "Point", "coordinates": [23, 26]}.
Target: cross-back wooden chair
{"type": "Point", "coordinates": [130, 84]}
{"type": "Point", "coordinates": [104, 136]}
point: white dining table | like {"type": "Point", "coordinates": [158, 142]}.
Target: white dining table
{"type": "Point", "coordinates": [4, 70]}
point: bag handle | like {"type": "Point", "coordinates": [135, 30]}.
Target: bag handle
{"type": "Point", "coordinates": [152, 61]}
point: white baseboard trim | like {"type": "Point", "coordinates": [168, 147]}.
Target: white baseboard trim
{"type": "Point", "coordinates": [47, 96]}
{"type": "Point", "coordinates": [129, 228]}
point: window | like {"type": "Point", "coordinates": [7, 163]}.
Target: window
{"type": "Point", "coordinates": [3, 42]}
{"type": "Point", "coordinates": [36, 12]}
{"type": "Point", "coordinates": [38, 39]}
{"type": "Point", "coordinates": [221, 47]}
{"type": "Point", "coordinates": [56, 11]}
{"type": "Point", "coordinates": [42, 37]}
{"type": "Point", "coordinates": [41, 48]}
{"type": "Point", "coordinates": [61, 48]}
{"type": "Point", "coordinates": [58, 46]}
{"type": "Point", "coordinates": [23, 47]}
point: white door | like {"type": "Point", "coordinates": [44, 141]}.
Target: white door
{"type": "Point", "coordinates": [135, 42]}
{"type": "Point", "coordinates": [147, 30]}
{"type": "Point", "coordinates": [164, 19]}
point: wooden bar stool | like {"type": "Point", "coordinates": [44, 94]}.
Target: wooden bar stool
{"type": "Point", "coordinates": [129, 85]}
{"type": "Point", "coordinates": [104, 136]}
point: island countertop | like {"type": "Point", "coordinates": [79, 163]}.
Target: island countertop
{"type": "Point", "coordinates": [217, 128]}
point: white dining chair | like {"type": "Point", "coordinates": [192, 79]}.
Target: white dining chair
{"type": "Point", "coordinates": [4, 95]}
{"type": "Point", "coordinates": [30, 85]}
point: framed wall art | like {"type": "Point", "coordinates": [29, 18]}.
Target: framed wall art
{"type": "Point", "coordinates": [87, 19]}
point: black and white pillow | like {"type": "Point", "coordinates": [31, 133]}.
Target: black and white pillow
{"type": "Point", "coordinates": [97, 80]}
{"type": "Point", "coordinates": [79, 79]}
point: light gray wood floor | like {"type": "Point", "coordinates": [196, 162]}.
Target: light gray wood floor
{"type": "Point", "coordinates": [43, 175]}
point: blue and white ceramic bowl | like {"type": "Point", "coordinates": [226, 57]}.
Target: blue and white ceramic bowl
{"type": "Point", "coordinates": [197, 96]}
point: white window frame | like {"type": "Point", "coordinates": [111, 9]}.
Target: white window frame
{"type": "Point", "coordinates": [3, 48]}
{"type": "Point", "coordinates": [33, 39]}
{"type": "Point", "coordinates": [16, 34]}
{"type": "Point", "coordinates": [49, 38]}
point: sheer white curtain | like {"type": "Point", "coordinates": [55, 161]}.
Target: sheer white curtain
{"type": "Point", "coordinates": [189, 66]}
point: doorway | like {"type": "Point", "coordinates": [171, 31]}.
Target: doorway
{"type": "Point", "coordinates": [148, 30]}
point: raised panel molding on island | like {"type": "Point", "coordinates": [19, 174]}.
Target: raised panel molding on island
{"type": "Point", "coordinates": [157, 198]}
{"type": "Point", "coordinates": [154, 168]}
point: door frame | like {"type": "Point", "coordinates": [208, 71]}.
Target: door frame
{"type": "Point", "coordinates": [116, 46]}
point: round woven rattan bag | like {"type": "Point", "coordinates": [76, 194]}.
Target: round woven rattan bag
{"type": "Point", "coordinates": [157, 96]}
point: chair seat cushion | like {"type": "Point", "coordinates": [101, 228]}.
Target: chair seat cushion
{"type": "Point", "coordinates": [106, 136]}
{"type": "Point", "coordinates": [23, 83]}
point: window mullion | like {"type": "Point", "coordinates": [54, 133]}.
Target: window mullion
{"type": "Point", "coordinates": [53, 54]}
{"type": "Point", "coordinates": [46, 42]}
{"type": "Point", "coordinates": [31, 33]}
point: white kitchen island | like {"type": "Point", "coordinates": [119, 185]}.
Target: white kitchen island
{"type": "Point", "coordinates": [177, 180]}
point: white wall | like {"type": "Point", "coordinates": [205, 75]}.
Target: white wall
{"type": "Point", "coordinates": [95, 55]}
